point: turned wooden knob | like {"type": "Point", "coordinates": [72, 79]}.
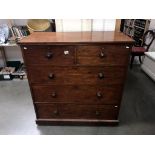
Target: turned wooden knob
{"type": "Point", "coordinates": [99, 94]}
{"type": "Point", "coordinates": [51, 76]}
{"type": "Point", "coordinates": [100, 75]}
{"type": "Point", "coordinates": [55, 112]}
{"type": "Point", "coordinates": [54, 94]}
{"type": "Point", "coordinates": [102, 53]}
{"type": "Point", "coordinates": [49, 55]}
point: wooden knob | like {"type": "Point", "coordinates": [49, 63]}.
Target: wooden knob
{"type": "Point", "coordinates": [49, 55]}
{"type": "Point", "coordinates": [54, 94]}
{"type": "Point", "coordinates": [51, 76]}
{"type": "Point", "coordinates": [101, 75]}
{"type": "Point", "coordinates": [102, 54]}
{"type": "Point", "coordinates": [99, 94]}
{"type": "Point", "coordinates": [97, 113]}
{"type": "Point", "coordinates": [55, 112]}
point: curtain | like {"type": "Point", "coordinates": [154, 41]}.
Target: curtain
{"type": "Point", "coordinates": [76, 25]}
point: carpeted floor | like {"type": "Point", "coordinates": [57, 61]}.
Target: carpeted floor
{"type": "Point", "coordinates": [137, 114]}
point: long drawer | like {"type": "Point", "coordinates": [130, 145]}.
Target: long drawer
{"type": "Point", "coordinates": [78, 94]}
{"type": "Point", "coordinates": [77, 111]}
{"type": "Point", "coordinates": [103, 55]}
{"type": "Point", "coordinates": [49, 55]}
{"type": "Point", "coordinates": [76, 75]}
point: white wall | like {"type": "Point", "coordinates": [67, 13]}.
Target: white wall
{"type": "Point", "coordinates": [20, 21]}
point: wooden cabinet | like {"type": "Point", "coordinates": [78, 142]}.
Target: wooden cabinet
{"type": "Point", "coordinates": [76, 78]}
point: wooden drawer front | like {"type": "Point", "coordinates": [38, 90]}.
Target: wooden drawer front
{"type": "Point", "coordinates": [102, 55]}
{"type": "Point", "coordinates": [51, 55]}
{"type": "Point", "coordinates": [77, 94]}
{"type": "Point", "coordinates": [77, 111]}
{"type": "Point", "coordinates": [48, 111]}
{"type": "Point", "coordinates": [76, 75]}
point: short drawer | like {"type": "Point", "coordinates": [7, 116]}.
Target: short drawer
{"type": "Point", "coordinates": [103, 55]}
{"type": "Point", "coordinates": [76, 75]}
{"type": "Point", "coordinates": [50, 55]}
{"type": "Point", "coordinates": [109, 112]}
{"type": "Point", "coordinates": [78, 94]}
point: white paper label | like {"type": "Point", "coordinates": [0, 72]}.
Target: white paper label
{"type": "Point", "coordinates": [6, 76]}
{"type": "Point", "coordinates": [66, 52]}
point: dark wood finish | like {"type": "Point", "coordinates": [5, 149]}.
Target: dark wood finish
{"type": "Point", "coordinates": [66, 111]}
{"type": "Point", "coordinates": [49, 38]}
{"type": "Point", "coordinates": [79, 94]}
{"type": "Point", "coordinates": [76, 75]}
{"type": "Point", "coordinates": [79, 122]}
{"type": "Point", "coordinates": [76, 78]}
{"type": "Point", "coordinates": [49, 55]}
{"type": "Point", "coordinates": [102, 55]}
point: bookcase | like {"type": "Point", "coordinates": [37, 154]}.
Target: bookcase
{"type": "Point", "coordinates": [135, 28]}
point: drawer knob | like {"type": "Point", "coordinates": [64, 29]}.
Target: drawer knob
{"type": "Point", "coordinates": [55, 112]}
{"type": "Point", "coordinates": [97, 113]}
{"type": "Point", "coordinates": [51, 76]}
{"type": "Point", "coordinates": [101, 75]}
{"type": "Point", "coordinates": [49, 55]}
{"type": "Point", "coordinates": [54, 94]}
{"type": "Point", "coordinates": [102, 54]}
{"type": "Point", "coordinates": [99, 94]}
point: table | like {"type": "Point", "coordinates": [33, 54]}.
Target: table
{"type": "Point", "coordinates": [2, 50]}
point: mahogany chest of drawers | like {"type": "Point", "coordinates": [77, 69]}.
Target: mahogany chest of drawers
{"type": "Point", "coordinates": [76, 78]}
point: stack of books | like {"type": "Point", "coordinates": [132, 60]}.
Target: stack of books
{"type": "Point", "coordinates": [18, 32]}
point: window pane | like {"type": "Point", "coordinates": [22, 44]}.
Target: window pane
{"type": "Point", "coordinates": [71, 25]}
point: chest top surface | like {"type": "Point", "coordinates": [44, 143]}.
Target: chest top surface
{"type": "Point", "coordinates": [75, 38]}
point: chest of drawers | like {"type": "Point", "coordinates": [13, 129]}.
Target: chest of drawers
{"type": "Point", "coordinates": [76, 78]}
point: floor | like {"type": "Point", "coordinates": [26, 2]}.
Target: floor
{"type": "Point", "coordinates": [137, 114]}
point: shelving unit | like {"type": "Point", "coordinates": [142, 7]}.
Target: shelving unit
{"type": "Point", "coordinates": [16, 33]}
{"type": "Point", "coordinates": [135, 28]}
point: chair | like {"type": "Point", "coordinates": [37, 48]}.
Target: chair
{"type": "Point", "coordinates": [148, 38]}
